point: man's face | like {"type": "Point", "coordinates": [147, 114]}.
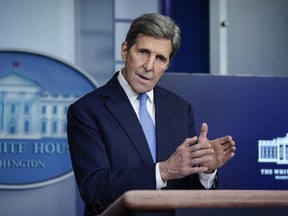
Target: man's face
{"type": "Point", "coordinates": [145, 62]}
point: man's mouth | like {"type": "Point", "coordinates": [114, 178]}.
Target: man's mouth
{"type": "Point", "coordinates": [143, 77]}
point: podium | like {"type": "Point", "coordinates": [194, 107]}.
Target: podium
{"type": "Point", "coordinates": [200, 202]}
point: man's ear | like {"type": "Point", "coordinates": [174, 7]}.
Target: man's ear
{"type": "Point", "coordinates": [124, 50]}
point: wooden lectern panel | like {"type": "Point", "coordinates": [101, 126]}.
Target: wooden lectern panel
{"type": "Point", "coordinates": [167, 200]}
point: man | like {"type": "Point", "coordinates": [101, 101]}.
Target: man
{"type": "Point", "coordinates": [109, 149]}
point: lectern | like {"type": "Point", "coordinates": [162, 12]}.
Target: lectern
{"type": "Point", "coordinates": [200, 203]}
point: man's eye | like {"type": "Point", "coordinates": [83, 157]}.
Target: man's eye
{"type": "Point", "coordinates": [143, 52]}
{"type": "Point", "coordinates": [161, 59]}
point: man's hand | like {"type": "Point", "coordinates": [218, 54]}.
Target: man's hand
{"type": "Point", "coordinates": [186, 158]}
{"type": "Point", "coordinates": [224, 150]}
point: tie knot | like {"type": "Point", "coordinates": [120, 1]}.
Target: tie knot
{"type": "Point", "coordinates": [143, 98]}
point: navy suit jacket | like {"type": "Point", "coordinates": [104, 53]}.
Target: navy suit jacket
{"type": "Point", "coordinates": [109, 152]}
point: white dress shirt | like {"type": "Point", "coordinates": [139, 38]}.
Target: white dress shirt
{"type": "Point", "coordinates": [207, 180]}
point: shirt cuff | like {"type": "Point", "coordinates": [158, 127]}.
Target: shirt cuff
{"type": "Point", "coordinates": [207, 180]}
{"type": "Point", "coordinates": [159, 182]}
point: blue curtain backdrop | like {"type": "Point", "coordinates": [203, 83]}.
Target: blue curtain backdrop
{"type": "Point", "coordinates": [193, 18]}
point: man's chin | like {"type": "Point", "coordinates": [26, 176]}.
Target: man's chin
{"type": "Point", "coordinates": [142, 89]}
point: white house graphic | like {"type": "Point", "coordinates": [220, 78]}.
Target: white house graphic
{"type": "Point", "coordinates": [28, 113]}
{"type": "Point", "coordinates": [273, 151]}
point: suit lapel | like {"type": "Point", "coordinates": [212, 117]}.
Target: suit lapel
{"type": "Point", "coordinates": [119, 105]}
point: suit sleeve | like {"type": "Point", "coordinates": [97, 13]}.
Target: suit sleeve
{"type": "Point", "coordinates": [96, 180]}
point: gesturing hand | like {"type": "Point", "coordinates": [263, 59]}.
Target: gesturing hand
{"type": "Point", "coordinates": [182, 162]}
{"type": "Point", "coordinates": [224, 149]}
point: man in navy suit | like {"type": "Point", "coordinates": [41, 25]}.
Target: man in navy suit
{"type": "Point", "coordinates": [109, 151]}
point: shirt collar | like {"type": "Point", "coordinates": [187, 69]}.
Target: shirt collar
{"type": "Point", "coordinates": [131, 94]}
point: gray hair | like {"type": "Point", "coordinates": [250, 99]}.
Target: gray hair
{"type": "Point", "coordinates": [154, 25]}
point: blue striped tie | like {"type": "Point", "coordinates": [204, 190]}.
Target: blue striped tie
{"type": "Point", "coordinates": [147, 125]}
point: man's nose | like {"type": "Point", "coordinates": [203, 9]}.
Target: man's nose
{"type": "Point", "coordinates": [149, 63]}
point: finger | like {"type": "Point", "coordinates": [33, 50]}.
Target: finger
{"type": "Point", "coordinates": [200, 146]}
{"type": "Point", "coordinates": [225, 140]}
{"type": "Point", "coordinates": [228, 139]}
{"type": "Point", "coordinates": [228, 156]}
{"type": "Point", "coordinates": [229, 153]}
{"type": "Point", "coordinates": [229, 150]}
{"type": "Point", "coordinates": [228, 145]}
{"type": "Point", "coordinates": [201, 153]}
{"type": "Point", "coordinates": [201, 160]}
{"type": "Point", "coordinates": [203, 132]}
{"type": "Point", "coordinates": [189, 141]}
{"type": "Point", "coordinates": [198, 169]}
